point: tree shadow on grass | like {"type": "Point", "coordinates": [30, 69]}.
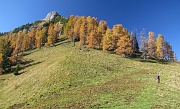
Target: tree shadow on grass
{"type": "Point", "coordinates": [26, 65]}
{"type": "Point", "coordinates": [159, 61]}
{"type": "Point", "coordinates": [23, 65]}
{"type": "Point", "coordinates": [29, 64]}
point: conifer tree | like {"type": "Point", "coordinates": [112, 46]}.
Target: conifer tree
{"type": "Point", "coordinates": [151, 44]}
{"type": "Point", "coordinates": [5, 52]}
{"type": "Point", "coordinates": [83, 34]}
{"type": "Point", "coordinates": [133, 38]}
{"type": "Point", "coordinates": [31, 40]}
{"type": "Point", "coordinates": [25, 44]}
{"type": "Point", "coordinates": [159, 46]}
{"type": "Point", "coordinates": [108, 41]}
{"type": "Point", "coordinates": [50, 35]}
{"type": "Point", "coordinates": [124, 44]}
{"type": "Point", "coordinates": [117, 33]}
{"type": "Point", "coordinates": [17, 53]}
{"type": "Point", "coordinates": [1, 71]}
{"type": "Point", "coordinates": [102, 27]}
{"type": "Point", "coordinates": [91, 39]}
{"type": "Point", "coordinates": [77, 26]}
{"type": "Point", "coordinates": [69, 29]}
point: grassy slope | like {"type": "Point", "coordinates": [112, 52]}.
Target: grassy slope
{"type": "Point", "coordinates": [65, 77]}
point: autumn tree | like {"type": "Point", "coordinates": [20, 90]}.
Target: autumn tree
{"type": "Point", "coordinates": [83, 34]}
{"type": "Point", "coordinates": [69, 28]}
{"type": "Point", "coordinates": [17, 53]}
{"type": "Point", "coordinates": [92, 24]}
{"type": "Point", "coordinates": [39, 36]}
{"type": "Point", "coordinates": [159, 46]}
{"type": "Point", "coordinates": [31, 40]}
{"type": "Point", "coordinates": [117, 33]}
{"type": "Point", "coordinates": [50, 35]}
{"type": "Point", "coordinates": [56, 30]}
{"type": "Point", "coordinates": [77, 26]}
{"type": "Point", "coordinates": [108, 40]}
{"type": "Point", "coordinates": [151, 44]}
{"type": "Point", "coordinates": [124, 44]}
{"type": "Point", "coordinates": [91, 39]}
{"type": "Point", "coordinates": [25, 44]}
{"type": "Point", "coordinates": [101, 30]}
{"type": "Point", "coordinates": [12, 39]}
{"type": "Point", "coordinates": [44, 35]}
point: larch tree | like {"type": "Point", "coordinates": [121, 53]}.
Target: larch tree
{"type": "Point", "coordinates": [25, 45]}
{"type": "Point", "coordinates": [117, 33]}
{"type": "Point", "coordinates": [56, 30]}
{"type": "Point", "coordinates": [159, 45]}
{"type": "Point", "coordinates": [83, 34]}
{"type": "Point", "coordinates": [124, 44]}
{"type": "Point", "coordinates": [32, 38]}
{"type": "Point", "coordinates": [77, 26]}
{"type": "Point", "coordinates": [108, 40]}
{"type": "Point", "coordinates": [50, 35]}
{"type": "Point", "coordinates": [91, 39]}
{"type": "Point", "coordinates": [12, 39]}
{"type": "Point", "coordinates": [44, 35]}
{"type": "Point", "coordinates": [92, 24]}
{"type": "Point", "coordinates": [151, 44]}
{"type": "Point", "coordinates": [102, 27]}
{"type": "Point", "coordinates": [39, 36]}
{"type": "Point", "coordinates": [17, 53]}
{"type": "Point", "coordinates": [69, 28]}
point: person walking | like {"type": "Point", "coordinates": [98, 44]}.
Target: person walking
{"type": "Point", "coordinates": [158, 78]}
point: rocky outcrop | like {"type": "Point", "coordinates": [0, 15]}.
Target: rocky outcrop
{"type": "Point", "coordinates": [51, 15]}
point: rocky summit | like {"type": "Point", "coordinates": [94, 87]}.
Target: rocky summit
{"type": "Point", "coordinates": [51, 15]}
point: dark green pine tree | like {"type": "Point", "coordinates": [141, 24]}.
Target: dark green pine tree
{"type": "Point", "coordinates": [6, 52]}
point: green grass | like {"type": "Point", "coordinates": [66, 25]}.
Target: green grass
{"type": "Point", "coordinates": [65, 77]}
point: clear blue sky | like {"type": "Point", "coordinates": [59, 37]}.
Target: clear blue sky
{"type": "Point", "coordinates": [159, 16]}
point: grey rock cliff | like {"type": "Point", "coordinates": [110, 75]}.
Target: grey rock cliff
{"type": "Point", "coordinates": [51, 15]}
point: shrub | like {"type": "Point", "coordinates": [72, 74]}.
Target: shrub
{"type": "Point", "coordinates": [16, 71]}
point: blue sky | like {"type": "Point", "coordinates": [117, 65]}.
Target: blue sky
{"type": "Point", "coordinates": [159, 16]}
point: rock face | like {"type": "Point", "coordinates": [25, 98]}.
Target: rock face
{"type": "Point", "coordinates": [51, 15]}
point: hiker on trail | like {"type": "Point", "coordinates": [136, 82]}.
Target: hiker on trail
{"type": "Point", "coordinates": [158, 78]}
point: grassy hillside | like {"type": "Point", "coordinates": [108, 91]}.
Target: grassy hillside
{"type": "Point", "coordinates": [65, 77]}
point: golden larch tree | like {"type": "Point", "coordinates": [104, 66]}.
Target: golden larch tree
{"type": "Point", "coordinates": [151, 44]}
{"type": "Point", "coordinates": [25, 44]}
{"type": "Point", "coordinates": [32, 35]}
{"type": "Point", "coordinates": [159, 46]}
{"type": "Point", "coordinates": [83, 33]}
{"type": "Point", "coordinates": [117, 33]}
{"type": "Point", "coordinates": [50, 35]}
{"type": "Point", "coordinates": [91, 39]}
{"type": "Point", "coordinates": [101, 30]}
{"type": "Point", "coordinates": [108, 40]}
{"type": "Point", "coordinates": [124, 44]}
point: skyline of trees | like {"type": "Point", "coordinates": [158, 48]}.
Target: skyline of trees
{"type": "Point", "coordinates": [90, 33]}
